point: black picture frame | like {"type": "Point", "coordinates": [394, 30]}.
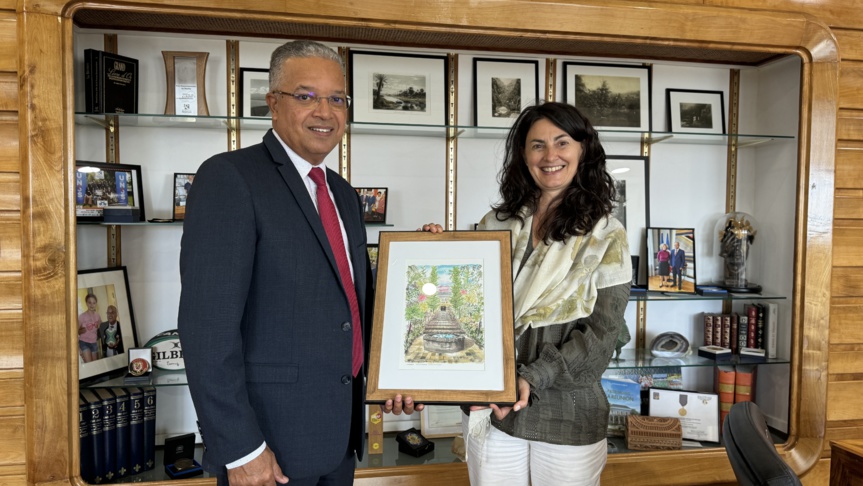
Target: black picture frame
{"type": "Point", "coordinates": [108, 192]}
{"type": "Point", "coordinates": [182, 184]}
{"type": "Point", "coordinates": [110, 287]}
{"type": "Point", "coordinates": [584, 82]}
{"type": "Point", "coordinates": [254, 85]}
{"type": "Point", "coordinates": [695, 111]}
{"type": "Point", "coordinates": [375, 201]}
{"type": "Point", "coordinates": [660, 276]}
{"type": "Point", "coordinates": [502, 88]}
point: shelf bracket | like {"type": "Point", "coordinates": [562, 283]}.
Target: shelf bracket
{"type": "Point", "coordinates": [232, 48]}
{"type": "Point", "coordinates": [345, 146]}
{"type": "Point", "coordinates": [733, 128]}
{"type": "Point", "coordinates": [451, 140]}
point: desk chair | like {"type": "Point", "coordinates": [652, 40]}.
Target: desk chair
{"type": "Point", "coordinates": [751, 451]}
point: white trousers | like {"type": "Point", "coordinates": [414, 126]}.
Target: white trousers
{"type": "Point", "coordinates": [507, 460]}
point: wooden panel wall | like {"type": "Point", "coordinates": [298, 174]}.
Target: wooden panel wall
{"type": "Point", "coordinates": [12, 435]}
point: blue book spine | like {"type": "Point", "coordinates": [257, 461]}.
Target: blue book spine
{"type": "Point", "coordinates": [86, 452]}
{"type": "Point", "coordinates": [97, 459]}
{"type": "Point", "coordinates": [136, 430]}
{"type": "Point", "coordinates": [123, 417]}
{"type": "Point", "coordinates": [109, 432]}
{"type": "Point", "coordinates": [149, 428]}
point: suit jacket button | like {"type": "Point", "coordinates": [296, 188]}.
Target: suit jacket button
{"type": "Point", "coordinates": [346, 380]}
{"type": "Point", "coordinates": [346, 326]}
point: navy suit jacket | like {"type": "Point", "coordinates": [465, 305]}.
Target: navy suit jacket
{"type": "Point", "coordinates": [678, 259]}
{"type": "Point", "coordinates": [264, 320]}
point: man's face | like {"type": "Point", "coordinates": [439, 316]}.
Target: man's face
{"type": "Point", "coordinates": [112, 315]}
{"type": "Point", "coordinates": [676, 245]}
{"type": "Point", "coordinates": [310, 131]}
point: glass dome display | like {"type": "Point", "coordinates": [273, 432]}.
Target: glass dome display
{"type": "Point", "coordinates": [737, 236]}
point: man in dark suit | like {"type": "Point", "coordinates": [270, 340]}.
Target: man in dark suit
{"type": "Point", "coordinates": [678, 262]}
{"type": "Point", "coordinates": [272, 338]}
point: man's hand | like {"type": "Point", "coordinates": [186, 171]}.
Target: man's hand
{"type": "Point", "coordinates": [431, 228]}
{"type": "Point", "coordinates": [523, 397]}
{"type": "Point", "coordinates": [260, 471]}
{"type": "Point", "coordinates": [396, 406]}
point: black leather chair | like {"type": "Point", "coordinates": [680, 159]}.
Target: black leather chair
{"type": "Point", "coordinates": [751, 451]}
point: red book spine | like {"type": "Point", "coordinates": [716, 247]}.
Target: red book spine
{"type": "Point", "coordinates": [726, 331]}
{"type": "Point", "coordinates": [734, 331]}
{"type": "Point", "coordinates": [752, 312]}
{"type": "Point", "coordinates": [744, 384]}
{"type": "Point", "coordinates": [725, 384]}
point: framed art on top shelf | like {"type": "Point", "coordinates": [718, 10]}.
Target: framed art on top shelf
{"type": "Point", "coordinates": [443, 325]}
{"type": "Point", "coordinates": [106, 323]}
{"type": "Point", "coordinates": [611, 96]}
{"type": "Point", "coordinates": [695, 111]}
{"type": "Point", "coordinates": [671, 266]}
{"type": "Point", "coordinates": [631, 181]}
{"type": "Point", "coordinates": [110, 193]}
{"type": "Point", "coordinates": [502, 88]}
{"type": "Point", "coordinates": [393, 88]}
{"type": "Point", "coordinates": [182, 184]}
{"type": "Point", "coordinates": [254, 86]}
{"type": "Point", "coordinates": [374, 201]}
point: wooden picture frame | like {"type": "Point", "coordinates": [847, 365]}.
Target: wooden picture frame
{"type": "Point", "coordinates": [108, 192]}
{"type": "Point", "coordinates": [254, 86]}
{"type": "Point", "coordinates": [374, 201]}
{"type": "Point", "coordinates": [502, 88]}
{"type": "Point", "coordinates": [588, 87]}
{"type": "Point", "coordinates": [182, 183]}
{"type": "Point", "coordinates": [660, 277]}
{"type": "Point", "coordinates": [186, 92]}
{"type": "Point", "coordinates": [695, 111]}
{"type": "Point", "coordinates": [395, 88]}
{"type": "Point", "coordinates": [443, 325]}
{"type": "Point", "coordinates": [110, 287]}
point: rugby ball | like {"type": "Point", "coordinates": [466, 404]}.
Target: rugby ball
{"type": "Point", "coordinates": [167, 352]}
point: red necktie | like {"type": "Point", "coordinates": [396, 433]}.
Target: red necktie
{"type": "Point", "coordinates": [330, 220]}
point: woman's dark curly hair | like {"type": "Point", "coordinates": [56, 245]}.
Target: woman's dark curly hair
{"type": "Point", "coordinates": [588, 198]}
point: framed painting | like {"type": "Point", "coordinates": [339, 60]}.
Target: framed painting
{"type": "Point", "coordinates": [106, 323]}
{"type": "Point", "coordinates": [631, 181]}
{"type": "Point", "coordinates": [611, 96]}
{"type": "Point", "coordinates": [502, 88]}
{"type": "Point", "coordinates": [182, 184]}
{"type": "Point", "coordinates": [374, 201]}
{"type": "Point", "coordinates": [440, 421]}
{"type": "Point", "coordinates": [108, 192]}
{"type": "Point", "coordinates": [695, 111]}
{"type": "Point", "coordinates": [393, 88]}
{"type": "Point", "coordinates": [671, 266]}
{"type": "Point", "coordinates": [443, 324]}
{"type": "Point", "coordinates": [254, 86]}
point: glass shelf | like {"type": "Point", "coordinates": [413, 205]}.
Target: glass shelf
{"type": "Point", "coordinates": [672, 296]}
{"type": "Point", "coordinates": [440, 131]}
{"type": "Point", "coordinates": [641, 358]}
{"type": "Point", "coordinates": [157, 378]}
{"type": "Point", "coordinates": [136, 223]}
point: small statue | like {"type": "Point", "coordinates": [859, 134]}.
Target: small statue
{"type": "Point", "coordinates": [736, 234]}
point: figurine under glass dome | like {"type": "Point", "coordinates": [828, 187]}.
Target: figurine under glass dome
{"type": "Point", "coordinates": [736, 232]}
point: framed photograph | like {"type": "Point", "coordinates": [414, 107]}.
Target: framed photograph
{"type": "Point", "coordinates": [440, 421]}
{"type": "Point", "coordinates": [374, 201]}
{"type": "Point", "coordinates": [116, 188]}
{"type": "Point", "coordinates": [698, 411]}
{"type": "Point", "coordinates": [185, 73]}
{"type": "Point", "coordinates": [631, 176]}
{"type": "Point", "coordinates": [443, 323]}
{"type": "Point", "coordinates": [502, 88]}
{"type": "Point", "coordinates": [106, 323]}
{"type": "Point", "coordinates": [398, 88]}
{"type": "Point", "coordinates": [611, 96]}
{"type": "Point", "coordinates": [695, 111]}
{"type": "Point", "coordinates": [372, 249]}
{"type": "Point", "coordinates": [254, 86]}
{"type": "Point", "coordinates": [182, 184]}
{"type": "Point", "coordinates": [671, 266]}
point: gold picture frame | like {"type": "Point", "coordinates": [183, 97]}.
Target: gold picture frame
{"type": "Point", "coordinates": [443, 322]}
{"type": "Point", "coordinates": [182, 69]}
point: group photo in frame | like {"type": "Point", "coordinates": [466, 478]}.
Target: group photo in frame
{"type": "Point", "coordinates": [671, 266]}
{"type": "Point", "coordinates": [443, 325]}
{"type": "Point", "coordinates": [182, 184]}
{"type": "Point", "coordinates": [631, 174]}
{"type": "Point", "coordinates": [502, 88]}
{"type": "Point", "coordinates": [254, 86]}
{"type": "Point", "coordinates": [611, 96]}
{"type": "Point", "coordinates": [695, 111]}
{"type": "Point", "coordinates": [395, 88]}
{"type": "Point", "coordinates": [374, 202]}
{"type": "Point", "coordinates": [105, 323]}
{"type": "Point", "coordinates": [100, 187]}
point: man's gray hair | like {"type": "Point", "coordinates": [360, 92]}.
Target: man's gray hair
{"type": "Point", "coordinates": [300, 48]}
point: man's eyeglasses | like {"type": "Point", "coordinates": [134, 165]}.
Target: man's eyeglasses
{"type": "Point", "coordinates": [337, 102]}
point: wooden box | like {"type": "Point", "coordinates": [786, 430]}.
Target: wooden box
{"type": "Point", "coordinates": [645, 433]}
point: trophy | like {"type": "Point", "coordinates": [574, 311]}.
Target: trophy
{"type": "Point", "coordinates": [736, 234]}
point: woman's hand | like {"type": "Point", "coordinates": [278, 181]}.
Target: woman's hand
{"type": "Point", "coordinates": [431, 228]}
{"type": "Point", "coordinates": [523, 397]}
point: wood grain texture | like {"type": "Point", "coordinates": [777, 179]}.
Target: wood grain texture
{"type": "Point", "coordinates": [846, 362]}
{"type": "Point", "coordinates": [847, 282]}
{"type": "Point", "coordinates": [850, 43]}
{"type": "Point", "coordinates": [8, 91]}
{"type": "Point", "coordinates": [848, 243]}
{"type": "Point", "coordinates": [848, 204]}
{"type": "Point", "coordinates": [8, 42]}
{"type": "Point", "coordinates": [845, 325]}
{"type": "Point", "coordinates": [846, 462]}
{"type": "Point", "coordinates": [836, 13]}
{"type": "Point", "coordinates": [12, 440]}
{"type": "Point", "coordinates": [11, 343]}
{"type": "Point", "coordinates": [10, 291]}
{"type": "Point", "coordinates": [9, 155]}
{"type": "Point", "coordinates": [454, 474]}
{"type": "Point", "coordinates": [850, 126]}
{"type": "Point", "coordinates": [10, 247]}
{"type": "Point", "coordinates": [12, 393]}
{"type": "Point", "coordinates": [850, 80]}
{"type": "Point", "coordinates": [843, 400]}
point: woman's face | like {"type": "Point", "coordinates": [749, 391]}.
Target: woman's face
{"type": "Point", "coordinates": [91, 304]}
{"type": "Point", "coordinates": [552, 157]}
{"type": "Point", "coordinates": [664, 247]}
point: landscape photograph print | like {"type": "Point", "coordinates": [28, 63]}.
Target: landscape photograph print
{"type": "Point", "coordinates": [612, 97]}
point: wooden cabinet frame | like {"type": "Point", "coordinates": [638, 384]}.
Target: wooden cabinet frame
{"type": "Point", "coordinates": [567, 28]}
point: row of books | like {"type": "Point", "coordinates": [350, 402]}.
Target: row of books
{"type": "Point", "coordinates": [118, 432]}
{"type": "Point", "coordinates": [734, 384]}
{"type": "Point", "coordinates": [757, 327]}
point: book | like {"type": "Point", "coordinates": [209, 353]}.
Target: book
{"type": "Point", "coordinates": [759, 334]}
{"type": "Point", "coordinates": [86, 451]}
{"type": "Point", "coordinates": [113, 86]}
{"type": "Point", "coordinates": [136, 430]}
{"type": "Point", "coordinates": [109, 432]}
{"type": "Point", "coordinates": [123, 438]}
{"type": "Point", "coordinates": [624, 398]}
{"type": "Point", "coordinates": [97, 460]}
{"type": "Point", "coordinates": [752, 313]}
{"type": "Point", "coordinates": [742, 330]}
{"type": "Point", "coordinates": [710, 290]}
{"type": "Point", "coordinates": [771, 321]}
{"type": "Point", "coordinates": [733, 341]}
{"type": "Point", "coordinates": [725, 342]}
{"type": "Point", "coordinates": [708, 329]}
{"type": "Point", "coordinates": [149, 428]}
{"type": "Point", "coordinates": [669, 377]}
{"type": "Point", "coordinates": [744, 384]}
{"type": "Point", "coordinates": [725, 383]}
{"type": "Point", "coordinates": [717, 329]}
